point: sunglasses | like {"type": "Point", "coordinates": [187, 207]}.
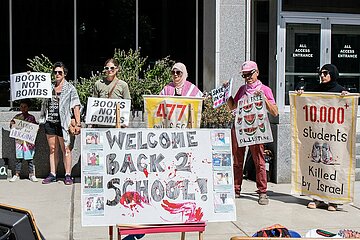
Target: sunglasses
{"type": "Point", "coordinates": [247, 75]}
{"type": "Point", "coordinates": [58, 72]}
{"type": "Point", "coordinates": [109, 68]}
{"type": "Point", "coordinates": [324, 72]}
{"type": "Point", "coordinates": [176, 72]}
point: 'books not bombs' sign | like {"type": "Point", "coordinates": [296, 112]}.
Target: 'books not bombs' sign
{"type": "Point", "coordinates": [251, 123]}
{"type": "Point", "coordinates": [323, 145]}
{"type": "Point", "coordinates": [30, 85]}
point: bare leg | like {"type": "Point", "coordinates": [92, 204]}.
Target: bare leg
{"type": "Point", "coordinates": [66, 156]}
{"type": "Point", "coordinates": [54, 153]}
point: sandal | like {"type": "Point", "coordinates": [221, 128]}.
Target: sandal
{"type": "Point", "coordinates": [332, 207]}
{"type": "Point", "coordinates": [314, 204]}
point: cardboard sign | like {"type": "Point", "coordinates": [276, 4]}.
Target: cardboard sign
{"type": "Point", "coordinates": [156, 176]}
{"type": "Point", "coordinates": [221, 94]}
{"type": "Point", "coordinates": [30, 85]}
{"type": "Point", "coordinates": [323, 145]}
{"type": "Point", "coordinates": [24, 130]}
{"type": "Point", "coordinates": [102, 111]}
{"type": "Point", "coordinates": [252, 124]}
{"type": "Point", "coordinates": [172, 112]}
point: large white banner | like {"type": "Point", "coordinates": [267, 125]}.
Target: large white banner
{"type": "Point", "coordinates": [30, 85]}
{"type": "Point", "coordinates": [102, 111]}
{"type": "Point", "coordinates": [156, 176]}
{"type": "Point", "coordinates": [24, 130]}
{"type": "Point", "coordinates": [252, 124]}
{"type": "Point", "coordinates": [323, 145]}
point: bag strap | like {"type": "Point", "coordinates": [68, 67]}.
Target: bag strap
{"type": "Point", "coordinates": [112, 89]}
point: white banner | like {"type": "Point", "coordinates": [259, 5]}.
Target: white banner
{"type": "Point", "coordinates": [252, 124]}
{"type": "Point", "coordinates": [24, 130]}
{"type": "Point", "coordinates": [30, 85]}
{"type": "Point", "coordinates": [102, 111]}
{"type": "Point", "coordinates": [156, 176]}
{"type": "Point", "coordinates": [323, 145]}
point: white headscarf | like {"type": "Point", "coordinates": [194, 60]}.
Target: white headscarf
{"type": "Point", "coordinates": [180, 83]}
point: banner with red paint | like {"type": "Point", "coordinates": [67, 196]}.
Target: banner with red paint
{"type": "Point", "coordinates": [156, 176]}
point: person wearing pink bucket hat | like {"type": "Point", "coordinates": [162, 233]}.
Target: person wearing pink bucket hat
{"type": "Point", "coordinates": [252, 86]}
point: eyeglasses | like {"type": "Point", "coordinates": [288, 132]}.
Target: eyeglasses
{"type": "Point", "coordinates": [58, 72]}
{"type": "Point", "coordinates": [325, 72]}
{"type": "Point", "coordinates": [109, 68]}
{"type": "Point", "coordinates": [176, 72]}
{"type": "Point", "coordinates": [248, 75]}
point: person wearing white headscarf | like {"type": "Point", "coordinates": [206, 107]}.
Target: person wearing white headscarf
{"type": "Point", "coordinates": [180, 86]}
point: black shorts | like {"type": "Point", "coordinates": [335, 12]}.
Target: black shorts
{"type": "Point", "coordinates": [53, 129]}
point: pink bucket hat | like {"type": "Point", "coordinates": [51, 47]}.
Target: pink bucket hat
{"type": "Point", "coordinates": [249, 66]}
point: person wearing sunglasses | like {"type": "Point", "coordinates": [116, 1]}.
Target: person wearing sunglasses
{"type": "Point", "coordinates": [56, 114]}
{"type": "Point", "coordinates": [328, 76]}
{"type": "Point", "coordinates": [180, 86]}
{"type": "Point", "coordinates": [111, 86]}
{"type": "Point", "coordinates": [253, 86]}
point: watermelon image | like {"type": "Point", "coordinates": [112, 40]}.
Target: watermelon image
{"type": "Point", "coordinates": [239, 121]}
{"type": "Point", "coordinates": [250, 119]}
{"type": "Point", "coordinates": [240, 131]}
{"type": "Point", "coordinates": [259, 105]}
{"type": "Point", "coordinates": [248, 108]}
{"type": "Point", "coordinates": [250, 131]}
{"type": "Point", "coordinates": [262, 127]}
{"type": "Point", "coordinates": [240, 110]}
{"type": "Point", "coordinates": [261, 116]}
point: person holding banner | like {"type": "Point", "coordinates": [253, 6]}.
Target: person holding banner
{"type": "Point", "coordinates": [24, 150]}
{"type": "Point", "coordinates": [180, 86]}
{"type": "Point", "coordinates": [253, 86]}
{"type": "Point", "coordinates": [328, 76]}
{"type": "Point", "coordinates": [111, 86]}
{"type": "Point", "coordinates": [56, 114]}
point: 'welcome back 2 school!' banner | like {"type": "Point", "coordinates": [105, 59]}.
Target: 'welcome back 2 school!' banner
{"type": "Point", "coordinates": [172, 111]}
{"type": "Point", "coordinates": [156, 176]}
{"type": "Point", "coordinates": [251, 122]}
{"type": "Point", "coordinates": [102, 111]}
{"type": "Point", "coordinates": [323, 145]}
{"type": "Point", "coordinates": [30, 85]}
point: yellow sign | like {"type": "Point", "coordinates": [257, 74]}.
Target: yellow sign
{"type": "Point", "coordinates": [172, 111]}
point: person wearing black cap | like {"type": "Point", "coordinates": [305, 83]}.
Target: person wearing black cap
{"type": "Point", "coordinates": [328, 74]}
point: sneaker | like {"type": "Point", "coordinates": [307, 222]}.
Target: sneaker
{"type": "Point", "coordinates": [237, 193]}
{"type": "Point", "coordinates": [33, 178]}
{"type": "Point", "coordinates": [51, 178]}
{"type": "Point", "coordinates": [263, 199]}
{"type": "Point", "coordinates": [314, 204]}
{"type": "Point", "coordinates": [14, 178]}
{"type": "Point", "coordinates": [68, 180]}
{"type": "Point", "coordinates": [332, 207]}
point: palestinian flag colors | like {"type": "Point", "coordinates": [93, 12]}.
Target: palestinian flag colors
{"type": "Point", "coordinates": [262, 127]}
{"type": "Point", "coordinates": [248, 108]}
{"type": "Point", "coordinates": [259, 105]}
{"type": "Point", "coordinates": [250, 131]}
{"type": "Point", "coordinates": [250, 119]}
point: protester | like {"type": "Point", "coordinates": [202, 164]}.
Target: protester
{"type": "Point", "coordinates": [328, 75]}
{"type": "Point", "coordinates": [111, 86]}
{"type": "Point", "coordinates": [180, 86]}
{"type": "Point", "coordinates": [57, 113]}
{"type": "Point", "coordinates": [253, 86]}
{"type": "Point", "coordinates": [24, 150]}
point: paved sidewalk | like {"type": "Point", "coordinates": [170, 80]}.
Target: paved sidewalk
{"type": "Point", "coordinates": [56, 208]}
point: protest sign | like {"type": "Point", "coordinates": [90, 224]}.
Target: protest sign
{"type": "Point", "coordinates": [221, 94]}
{"type": "Point", "coordinates": [30, 85]}
{"type": "Point", "coordinates": [252, 124]}
{"type": "Point", "coordinates": [102, 111]}
{"type": "Point", "coordinates": [323, 130]}
{"type": "Point", "coordinates": [24, 130]}
{"type": "Point", "coordinates": [172, 111]}
{"type": "Point", "coordinates": [156, 176]}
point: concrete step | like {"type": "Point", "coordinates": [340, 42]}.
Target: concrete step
{"type": "Point", "coordinates": [357, 174]}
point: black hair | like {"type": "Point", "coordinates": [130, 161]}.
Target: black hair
{"type": "Point", "coordinates": [61, 65]}
{"type": "Point", "coordinates": [27, 101]}
{"type": "Point", "coordinates": [112, 60]}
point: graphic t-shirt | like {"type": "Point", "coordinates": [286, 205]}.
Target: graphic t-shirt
{"type": "Point", "coordinates": [53, 113]}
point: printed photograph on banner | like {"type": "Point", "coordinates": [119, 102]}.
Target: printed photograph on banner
{"type": "Point", "coordinates": [223, 202]}
{"type": "Point", "coordinates": [93, 184]}
{"type": "Point", "coordinates": [93, 139]}
{"type": "Point", "coordinates": [221, 159]}
{"type": "Point", "coordinates": [94, 161]}
{"type": "Point", "coordinates": [94, 205]}
{"type": "Point", "coordinates": [222, 178]}
{"type": "Point", "coordinates": [220, 139]}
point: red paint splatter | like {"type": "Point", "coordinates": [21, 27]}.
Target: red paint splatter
{"type": "Point", "coordinates": [132, 200]}
{"type": "Point", "coordinates": [146, 172]}
{"type": "Point", "coordinates": [187, 209]}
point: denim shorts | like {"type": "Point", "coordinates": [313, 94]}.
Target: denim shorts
{"type": "Point", "coordinates": [53, 129]}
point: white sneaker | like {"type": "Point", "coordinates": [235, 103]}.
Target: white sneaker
{"type": "Point", "coordinates": [33, 178]}
{"type": "Point", "coordinates": [14, 178]}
